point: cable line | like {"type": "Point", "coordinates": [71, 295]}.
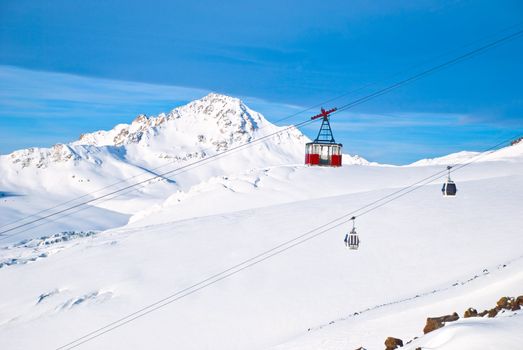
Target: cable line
{"type": "Point", "coordinates": [280, 248]}
{"type": "Point", "coordinates": [352, 104]}
{"type": "Point", "coordinates": [429, 71]}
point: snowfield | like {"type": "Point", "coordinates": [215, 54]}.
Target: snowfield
{"type": "Point", "coordinates": [421, 255]}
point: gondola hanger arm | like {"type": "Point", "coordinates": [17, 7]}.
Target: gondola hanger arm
{"type": "Point", "coordinates": [324, 113]}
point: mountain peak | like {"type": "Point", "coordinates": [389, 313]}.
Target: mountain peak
{"type": "Point", "coordinates": [214, 116]}
{"type": "Point", "coordinates": [211, 124]}
{"type": "Point", "coordinates": [214, 106]}
{"type": "Point", "coordinates": [214, 96]}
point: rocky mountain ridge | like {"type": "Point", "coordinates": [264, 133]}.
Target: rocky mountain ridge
{"type": "Point", "coordinates": [205, 126]}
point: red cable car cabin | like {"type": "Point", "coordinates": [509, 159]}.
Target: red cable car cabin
{"type": "Point", "coordinates": [323, 150]}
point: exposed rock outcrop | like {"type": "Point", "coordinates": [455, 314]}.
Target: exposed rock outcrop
{"type": "Point", "coordinates": [516, 141]}
{"type": "Point", "coordinates": [434, 323]}
{"type": "Point", "coordinates": [470, 312]}
{"type": "Point", "coordinates": [392, 343]}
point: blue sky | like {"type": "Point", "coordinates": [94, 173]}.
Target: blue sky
{"type": "Point", "coordinates": [68, 67]}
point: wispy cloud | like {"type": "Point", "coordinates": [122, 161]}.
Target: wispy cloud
{"type": "Point", "coordinates": [42, 108]}
{"type": "Point", "coordinates": [53, 94]}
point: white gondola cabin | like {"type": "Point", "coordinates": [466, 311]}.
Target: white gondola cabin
{"type": "Point", "coordinates": [352, 241]}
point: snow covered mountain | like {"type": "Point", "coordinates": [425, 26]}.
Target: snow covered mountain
{"type": "Point", "coordinates": [149, 146]}
{"type": "Point", "coordinates": [421, 255]}
{"type": "Point", "coordinates": [201, 128]}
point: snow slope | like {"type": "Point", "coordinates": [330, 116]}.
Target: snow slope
{"type": "Point", "coordinates": [421, 255]}
{"type": "Point", "coordinates": [414, 246]}
{"type": "Point", "coordinates": [498, 333]}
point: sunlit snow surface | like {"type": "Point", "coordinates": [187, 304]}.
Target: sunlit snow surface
{"type": "Point", "coordinates": [421, 255]}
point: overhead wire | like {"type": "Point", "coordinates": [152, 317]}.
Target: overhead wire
{"type": "Point", "coordinates": [344, 107]}
{"type": "Point", "coordinates": [431, 70]}
{"type": "Point", "coordinates": [280, 248]}
{"type": "Point", "coordinates": [207, 282]}
{"type": "Point", "coordinates": [508, 28]}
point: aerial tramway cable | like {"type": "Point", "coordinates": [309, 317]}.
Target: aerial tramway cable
{"type": "Point", "coordinates": [431, 70]}
{"type": "Point", "coordinates": [262, 256]}
{"type": "Point", "coordinates": [248, 144]}
{"type": "Point", "coordinates": [279, 249]}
